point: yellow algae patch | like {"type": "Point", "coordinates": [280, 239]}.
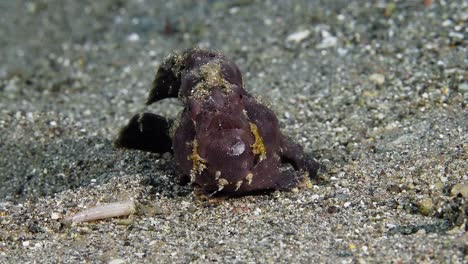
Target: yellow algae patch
{"type": "Point", "coordinates": [212, 76]}
{"type": "Point", "coordinates": [306, 183]}
{"type": "Point", "coordinates": [249, 178]}
{"type": "Point", "coordinates": [221, 183]}
{"type": "Point", "coordinates": [258, 147]}
{"type": "Point", "coordinates": [198, 163]}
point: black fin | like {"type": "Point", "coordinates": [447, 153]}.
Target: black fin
{"type": "Point", "coordinates": [147, 132]}
{"type": "Point", "coordinates": [293, 154]}
{"type": "Point", "coordinates": [166, 84]}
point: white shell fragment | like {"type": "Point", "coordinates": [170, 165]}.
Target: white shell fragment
{"type": "Point", "coordinates": [328, 40]}
{"type": "Point", "coordinates": [103, 211]}
{"type": "Point", "coordinates": [298, 36]}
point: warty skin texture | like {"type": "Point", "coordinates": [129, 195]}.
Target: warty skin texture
{"type": "Point", "coordinates": [225, 141]}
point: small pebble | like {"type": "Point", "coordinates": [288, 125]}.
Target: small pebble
{"type": "Point", "coordinates": [55, 216]}
{"type": "Point", "coordinates": [460, 188]}
{"type": "Point", "coordinates": [134, 37]}
{"type": "Point", "coordinates": [425, 206]}
{"type": "Point", "coordinates": [421, 232]}
{"type": "Point", "coordinates": [328, 41]}
{"type": "Point", "coordinates": [463, 87]}
{"type": "Point", "coordinates": [377, 78]}
{"type": "Point", "coordinates": [456, 35]}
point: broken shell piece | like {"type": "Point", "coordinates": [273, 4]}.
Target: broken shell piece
{"type": "Point", "coordinates": [103, 211]}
